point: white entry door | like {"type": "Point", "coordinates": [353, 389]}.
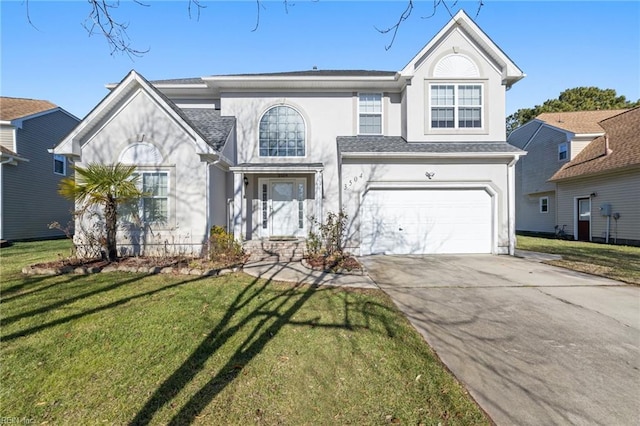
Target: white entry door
{"type": "Point", "coordinates": [286, 199]}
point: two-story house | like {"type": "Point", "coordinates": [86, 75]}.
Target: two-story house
{"type": "Point", "coordinates": [29, 174]}
{"type": "Point", "coordinates": [416, 158]}
{"type": "Point", "coordinates": [551, 140]}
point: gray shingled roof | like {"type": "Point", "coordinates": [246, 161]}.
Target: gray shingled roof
{"type": "Point", "coordinates": [212, 126]}
{"type": "Point", "coordinates": [308, 73]}
{"type": "Point", "coordinates": [397, 144]}
{"type": "Point", "coordinates": [208, 123]}
{"type": "Point", "coordinates": [189, 80]}
{"type": "Point", "coordinates": [318, 73]}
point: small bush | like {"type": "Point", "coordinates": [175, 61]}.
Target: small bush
{"type": "Point", "coordinates": [328, 240]}
{"type": "Point", "coordinates": [223, 247]}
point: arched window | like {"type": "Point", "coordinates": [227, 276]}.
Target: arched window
{"type": "Point", "coordinates": [282, 133]}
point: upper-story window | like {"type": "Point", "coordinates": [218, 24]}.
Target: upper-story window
{"type": "Point", "coordinates": [282, 133]}
{"type": "Point", "coordinates": [562, 152]}
{"type": "Point", "coordinates": [59, 164]}
{"type": "Point", "coordinates": [456, 106]}
{"type": "Point", "coordinates": [370, 114]}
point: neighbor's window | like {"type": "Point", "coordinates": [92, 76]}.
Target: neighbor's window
{"type": "Point", "coordinates": [562, 152]}
{"type": "Point", "coordinates": [544, 204]}
{"type": "Point", "coordinates": [282, 133]}
{"type": "Point", "coordinates": [370, 114]}
{"type": "Point", "coordinates": [59, 164]}
{"type": "Point", "coordinates": [456, 106]}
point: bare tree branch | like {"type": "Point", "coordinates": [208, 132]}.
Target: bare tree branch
{"type": "Point", "coordinates": [198, 6]}
{"type": "Point", "coordinates": [257, 16]}
{"type": "Point", "coordinates": [101, 20]}
{"type": "Point", "coordinates": [407, 12]}
{"type": "Point", "coordinates": [403, 17]}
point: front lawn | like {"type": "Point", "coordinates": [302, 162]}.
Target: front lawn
{"type": "Point", "coordinates": [617, 262]}
{"type": "Point", "coordinates": [120, 348]}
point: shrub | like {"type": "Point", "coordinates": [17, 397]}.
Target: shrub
{"type": "Point", "coordinates": [328, 240]}
{"type": "Point", "coordinates": [223, 247]}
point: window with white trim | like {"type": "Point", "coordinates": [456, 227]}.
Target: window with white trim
{"type": "Point", "coordinates": [155, 203]}
{"type": "Point", "coordinates": [282, 133]}
{"type": "Point", "coordinates": [456, 106]}
{"type": "Point", "coordinates": [153, 206]}
{"type": "Point", "coordinates": [370, 113]}
{"type": "Point", "coordinates": [59, 164]}
{"type": "Point", "coordinates": [544, 204]}
{"type": "Point", "coordinates": [563, 152]}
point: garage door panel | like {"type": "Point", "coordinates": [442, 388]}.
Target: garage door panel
{"type": "Point", "coordinates": [426, 221]}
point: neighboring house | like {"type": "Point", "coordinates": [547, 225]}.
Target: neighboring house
{"type": "Point", "coordinates": [416, 158]}
{"type": "Point", "coordinates": [29, 174]}
{"type": "Point", "coordinates": [551, 140]}
{"type": "Point", "coordinates": [598, 191]}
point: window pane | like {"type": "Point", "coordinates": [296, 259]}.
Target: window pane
{"type": "Point", "coordinates": [59, 162]}
{"type": "Point", "coordinates": [370, 124]}
{"type": "Point", "coordinates": [154, 209]}
{"type": "Point", "coordinates": [442, 117]}
{"type": "Point", "coordinates": [370, 102]}
{"type": "Point", "coordinates": [469, 95]}
{"type": "Point", "coordinates": [469, 117]}
{"type": "Point", "coordinates": [442, 95]}
{"type": "Point", "coordinates": [285, 131]}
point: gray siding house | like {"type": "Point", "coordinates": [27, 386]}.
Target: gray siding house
{"type": "Point", "coordinates": [552, 140]}
{"type": "Point", "coordinates": [29, 174]}
{"type": "Point", "coordinates": [598, 191]}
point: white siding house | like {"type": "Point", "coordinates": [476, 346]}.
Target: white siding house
{"type": "Point", "coordinates": [417, 158]}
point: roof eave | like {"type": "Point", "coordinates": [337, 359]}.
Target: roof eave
{"type": "Point", "coordinates": [432, 154]}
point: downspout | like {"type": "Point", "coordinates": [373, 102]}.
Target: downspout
{"type": "Point", "coordinates": [511, 202]}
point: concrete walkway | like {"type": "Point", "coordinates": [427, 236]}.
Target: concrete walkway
{"type": "Point", "coordinates": [295, 272]}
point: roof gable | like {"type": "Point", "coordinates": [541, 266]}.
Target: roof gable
{"type": "Point", "coordinates": [470, 30]}
{"type": "Point", "coordinates": [618, 148]}
{"type": "Point", "coordinates": [203, 128]}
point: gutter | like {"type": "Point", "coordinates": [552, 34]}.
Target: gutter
{"type": "Point", "coordinates": [514, 155]}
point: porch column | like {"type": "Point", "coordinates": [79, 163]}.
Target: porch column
{"type": "Point", "coordinates": [238, 210]}
{"type": "Point", "coordinates": [318, 196]}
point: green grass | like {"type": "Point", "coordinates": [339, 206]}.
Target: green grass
{"type": "Point", "coordinates": [612, 261]}
{"type": "Point", "coordinates": [120, 348]}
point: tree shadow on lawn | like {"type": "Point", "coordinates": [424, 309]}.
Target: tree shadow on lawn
{"type": "Point", "coordinates": [40, 327]}
{"type": "Point", "coordinates": [272, 314]}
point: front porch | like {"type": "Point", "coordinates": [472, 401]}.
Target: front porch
{"type": "Point", "coordinates": [276, 201]}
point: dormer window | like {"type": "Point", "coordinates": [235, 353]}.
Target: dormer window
{"type": "Point", "coordinates": [370, 114]}
{"type": "Point", "coordinates": [456, 106]}
{"type": "Point", "coordinates": [562, 152]}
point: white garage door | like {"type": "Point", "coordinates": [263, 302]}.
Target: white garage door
{"type": "Point", "coordinates": [424, 221]}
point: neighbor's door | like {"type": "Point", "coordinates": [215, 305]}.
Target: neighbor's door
{"type": "Point", "coordinates": [584, 219]}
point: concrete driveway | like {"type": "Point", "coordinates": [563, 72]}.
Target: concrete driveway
{"type": "Point", "coordinates": [533, 344]}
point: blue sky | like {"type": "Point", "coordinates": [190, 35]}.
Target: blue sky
{"type": "Point", "coordinates": [559, 45]}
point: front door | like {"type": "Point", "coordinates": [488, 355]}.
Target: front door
{"type": "Point", "coordinates": [287, 205]}
{"type": "Point", "coordinates": [584, 219]}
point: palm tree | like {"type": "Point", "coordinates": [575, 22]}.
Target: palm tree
{"type": "Point", "coordinates": [107, 186]}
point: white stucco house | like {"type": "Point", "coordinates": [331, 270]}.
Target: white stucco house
{"type": "Point", "coordinates": [417, 158]}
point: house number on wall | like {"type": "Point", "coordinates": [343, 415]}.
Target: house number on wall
{"type": "Point", "coordinates": [352, 181]}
